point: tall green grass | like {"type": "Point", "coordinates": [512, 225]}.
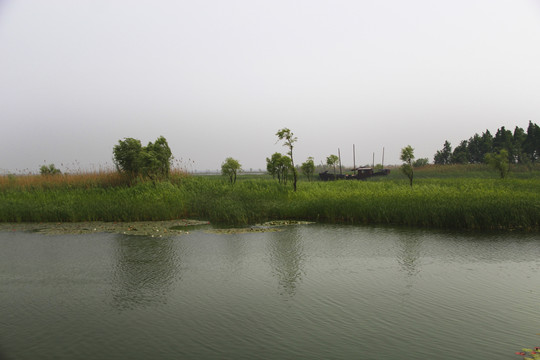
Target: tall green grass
{"type": "Point", "coordinates": [145, 201]}
{"type": "Point", "coordinates": [443, 202]}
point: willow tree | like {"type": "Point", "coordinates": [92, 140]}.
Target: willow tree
{"type": "Point", "coordinates": [152, 161]}
{"type": "Point", "coordinates": [288, 140]}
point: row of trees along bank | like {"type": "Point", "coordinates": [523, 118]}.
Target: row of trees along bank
{"type": "Point", "coordinates": [154, 160]}
{"type": "Point", "coordinates": [521, 147]}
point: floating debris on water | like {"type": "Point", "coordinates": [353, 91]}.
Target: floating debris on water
{"type": "Point", "coordinates": [144, 228]}
{"type": "Point", "coordinates": [148, 228]}
{"type": "Point", "coordinates": [242, 230]}
{"type": "Point", "coordinates": [269, 226]}
{"type": "Point", "coordinates": [286, 222]}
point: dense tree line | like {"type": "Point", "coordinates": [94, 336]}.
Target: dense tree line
{"type": "Point", "coordinates": [522, 147]}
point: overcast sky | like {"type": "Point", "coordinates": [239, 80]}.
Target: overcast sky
{"type": "Point", "coordinates": [219, 78]}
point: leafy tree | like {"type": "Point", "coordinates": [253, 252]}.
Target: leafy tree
{"type": "Point", "coordinates": [486, 146]}
{"type": "Point", "coordinates": [308, 168]}
{"type": "Point", "coordinates": [230, 168]}
{"type": "Point", "coordinates": [443, 157]}
{"type": "Point", "coordinates": [127, 156]}
{"type": "Point", "coordinates": [284, 167]}
{"type": "Point", "coordinates": [332, 161]}
{"type": "Point", "coordinates": [289, 139]}
{"type": "Point", "coordinates": [461, 153]}
{"type": "Point", "coordinates": [49, 170]}
{"type": "Point", "coordinates": [420, 162]}
{"type": "Point", "coordinates": [518, 140]}
{"type": "Point", "coordinates": [152, 161]}
{"type": "Point", "coordinates": [474, 149]}
{"type": "Point", "coordinates": [522, 147]}
{"type": "Point", "coordinates": [279, 166]}
{"type": "Point", "coordinates": [163, 155]}
{"type": "Point", "coordinates": [504, 139]}
{"type": "Point", "coordinates": [155, 159]}
{"type": "Point", "coordinates": [499, 162]}
{"type": "Point", "coordinates": [272, 164]}
{"type": "Point", "coordinates": [407, 156]}
{"type": "Point", "coordinates": [531, 144]}
{"type": "Point", "coordinates": [478, 146]}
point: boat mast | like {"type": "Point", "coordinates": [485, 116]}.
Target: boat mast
{"type": "Point", "coordinates": [339, 156]}
{"type": "Point", "coordinates": [353, 157]}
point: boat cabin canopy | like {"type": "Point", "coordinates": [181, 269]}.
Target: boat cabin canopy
{"type": "Point", "coordinates": [364, 170]}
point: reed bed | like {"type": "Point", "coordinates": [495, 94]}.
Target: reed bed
{"type": "Point", "coordinates": [78, 180]}
{"type": "Point", "coordinates": [462, 203]}
{"type": "Point", "coordinates": [103, 179]}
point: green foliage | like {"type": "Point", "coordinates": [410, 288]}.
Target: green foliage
{"type": "Point", "coordinates": [332, 161]}
{"type": "Point", "coordinates": [160, 157]}
{"type": "Point", "coordinates": [126, 156]}
{"type": "Point", "coordinates": [461, 203]}
{"type": "Point", "coordinates": [499, 162]}
{"type": "Point", "coordinates": [288, 140]}
{"type": "Point", "coordinates": [230, 168]}
{"type": "Point", "coordinates": [279, 166]}
{"type": "Point", "coordinates": [308, 168]}
{"type": "Point", "coordinates": [272, 165]}
{"type": "Point", "coordinates": [49, 170]}
{"type": "Point", "coordinates": [531, 144]}
{"type": "Point", "coordinates": [420, 162]}
{"type": "Point", "coordinates": [504, 140]}
{"type": "Point", "coordinates": [152, 161]}
{"type": "Point", "coordinates": [407, 156]}
{"type": "Point", "coordinates": [461, 153]}
{"type": "Point", "coordinates": [443, 157]}
{"type": "Point", "coordinates": [522, 147]}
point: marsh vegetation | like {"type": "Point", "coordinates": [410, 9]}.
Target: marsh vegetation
{"type": "Point", "coordinates": [146, 187]}
{"type": "Point", "coordinates": [457, 196]}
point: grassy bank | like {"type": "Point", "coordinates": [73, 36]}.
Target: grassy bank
{"type": "Point", "coordinates": [481, 202]}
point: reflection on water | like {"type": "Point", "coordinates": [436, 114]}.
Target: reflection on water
{"type": "Point", "coordinates": [287, 259]}
{"type": "Point", "coordinates": [144, 270]}
{"type": "Point", "coordinates": [409, 254]}
{"type": "Point", "coordinates": [350, 293]}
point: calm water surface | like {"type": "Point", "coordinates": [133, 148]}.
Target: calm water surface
{"type": "Point", "coordinates": [308, 292]}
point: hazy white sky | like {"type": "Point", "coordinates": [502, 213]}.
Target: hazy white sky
{"type": "Point", "coordinates": [218, 78]}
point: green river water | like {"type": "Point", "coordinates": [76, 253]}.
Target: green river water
{"type": "Point", "coordinates": [305, 292]}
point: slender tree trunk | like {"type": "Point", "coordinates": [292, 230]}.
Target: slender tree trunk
{"type": "Point", "coordinates": [294, 171]}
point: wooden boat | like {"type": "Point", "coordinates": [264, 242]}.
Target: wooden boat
{"type": "Point", "coordinates": [361, 173]}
